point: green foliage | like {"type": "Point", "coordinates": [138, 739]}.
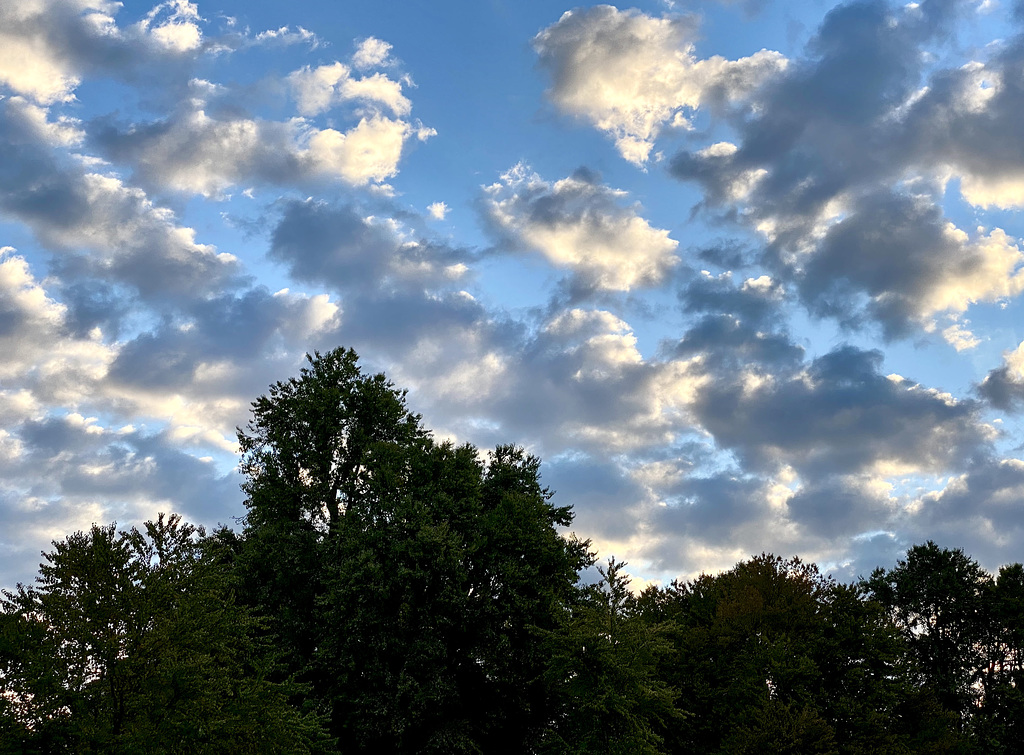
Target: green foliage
{"type": "Point", "coordinates": [999, 725]}
{"type": "Point", "coordinates": [131, 642]}
{"type": "Point", "coordinates": [308, 451]}
{"type": "Point", "coordinates": [407, 581]}
{"type": "Point", "coordinates": [316, 446]}
{"type": "Point", "coordinates": [773, 657]}
{"type": "Point", "coordinates": [939, 599]}
{"type": "Point", "coordinates": [603, 667]}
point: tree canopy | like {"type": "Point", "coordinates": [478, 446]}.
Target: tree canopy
{"type": "Point", "coordinates": [131, 642]}
{"type": "Point", "coordinates": [421, 575]}
{"type": "Point", "coordinates": [391, 593]}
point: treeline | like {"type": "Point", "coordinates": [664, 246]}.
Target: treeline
{"type": "Point", "coordinates": [391, 594]}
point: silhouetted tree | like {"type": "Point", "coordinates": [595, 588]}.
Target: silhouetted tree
{"type": "Point", "coordinates": [773, 657]}
{"type": "Point", "coordinates": [939, 598]}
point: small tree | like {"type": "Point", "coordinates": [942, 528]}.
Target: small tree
{"type": "Point", "coordinates": [131, 642]}
{"type": "Point", "coordinates": [603, 668]}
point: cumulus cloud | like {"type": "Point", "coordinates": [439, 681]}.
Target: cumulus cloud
{"type": "Point", "coordinates": [134, 345]}
{"type": "Point", "coordinates": [978, 509]}
{"type": "Point", "coordinates": [50, 45]}
{"type": "Point", "coordinates": [72, 210]}
{"type": "Point", "coordinates": [47, 44]}
{"type": "Point", "coordinates": [174, 25]}
{"type": "Point", "coordinates": [196, 152]}
{"type": "Point", "coordinates": [630, 74]}
{"type": "Point", "coordinates": [195, 373]}
{"type": "Point", "coordinates": [580, 224]}
{"type": "Point", "coordinates": [371, 52]}
{"type": "Point", "coordinates": [69, 471]}
{"type": "Point", "coordinates": [340, 247]}
{"type": "Point", "coordinates": [1003, 387]}
{"type": "Point", "coordinates": [42, 362]}
{"type": "Point", "coordinates": [964, 121]}
{"type": "Point", "coordinates": [740, 327]}
{"type": "Point", "coordinates": [839, 415]}
{"type": "Point", "coordinates": [55, 459]}
{"type": "Point", "coordinates": [843, 507]}
{"type": "Point", "coordinates": [842, 174]}
{"type": "Point", "coordinates": [209, 144]}
{"type": "Point", "coordinates": [319, 89]}
{"type": "Point", "coordinates": [582, 378]}
{"type": "Point", "coordinates": [900, 259]}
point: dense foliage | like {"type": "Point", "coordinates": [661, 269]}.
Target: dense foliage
{"type": "Point", "coordinates": [389, 593]}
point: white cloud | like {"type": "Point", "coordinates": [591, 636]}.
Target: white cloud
{"type": "Point", "coordinates": [42, 364]}
{"type": "Point", "coordinates": [285, 35]}
{"type": "Point", "coordinates": [629, 74]}
{"type": "Point", "coordinates": [371, 52]}
{"type": "Point", "coordinates": [959, 337]}
{"type": "Point", "coordinates": [581, 225]}
{"type": "Point", "coordinates": [317, 90]}
{"type": "Point", "coordinates": [988, 268]}
{"type": "Point", "coordinates": [34, 61]}
{"type": "Point", "coordinates": [72, 209]}
{"type": "Point", "coordinates": [987, 191]}
{"type": "Point", "coordinates": [173, 25]}
{"type": "Point", "coordinates": [205, 155]}
{"type": "Point", "coordinates": [437, 210]}
{"type": "Point", "coordinates": [368, 152]}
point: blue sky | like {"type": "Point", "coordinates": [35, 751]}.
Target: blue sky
{"type": "Point", "coordinates": [745, 275]}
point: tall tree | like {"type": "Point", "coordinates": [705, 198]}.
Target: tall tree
{"type": "Point", "coordinates": [307, 457]}
{"type": "Point", "coordinates": [999, 724]}
{"type": "Point", "coordinates": [408, 580]}
{"type": "Point", "coordinates": [306, 452]}
{"type": "Point", "coordinates": [940, 600]}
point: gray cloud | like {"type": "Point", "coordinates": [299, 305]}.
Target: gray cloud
{"type": "Point", "coordinates": [604, 497]}
{"type": "Point", "coordinates": [896, 259]}
{"type": "Point", "coordinates": [840, 167]}
{"type": "Point", "coordinates": [102, 227]}
{"type": "Point", "coordinates": [729, 437]}
{"type": "Point", "coordinates": [835, 509]}
{"type": "Point", "coordinates": [978, 510]}
{"type": "Point", "coordinates": [840, 416]}
{"type": "Point", "coordinates": [1003, 389]}
{"type": "Point", "coordinates": [347, 250]}
{"type": "Point", "coordinates": [52, 45]}
{"type": "Point", "coordinates": [741, 326]}
{"type": "Point", "coordinates": [713, 508]}
{"type": "Point", "coordinates": [70, 472]}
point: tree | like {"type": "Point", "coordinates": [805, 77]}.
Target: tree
{"type": "Point", "coordinates": [307, 452]}
{"type": "Point", "coordinates": [771, 656]}
{"type": "Point", "coordinates": [603, 667]}
{"type": "Point", "coordinates": [407, 580]}
{"type": "Point", "coordinates": [131, 642]}
{"type": "Point", "coordinates": [308, 457]}
{"type": "Point", "coordinates": [939, 599]}
{"type": "Point", "coordinates": [999, 724]}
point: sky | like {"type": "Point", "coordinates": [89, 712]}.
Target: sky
{"type": "Point", "coordinates": [746, 275]}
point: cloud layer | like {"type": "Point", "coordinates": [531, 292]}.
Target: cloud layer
{"type": "Point", "coordinates": [718, 320]}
